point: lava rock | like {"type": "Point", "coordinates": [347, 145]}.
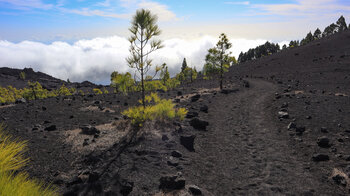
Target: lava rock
{"type": "Point", "coordinates": [227, 91]}
{"type": "Point", "coordinates": [21, 100]}
{"type": "Point", "coordinates": [324, 130]}
{"type": "Point", "coordinates": [204, 108]}
{"type": "Point", "coordinates": [169, 183]}
{"type": "Point", "coordinates": [188, 142]}
{"type": "Point", "coordinates": [126, 187]}
{"type": "Point", "coordinates": [172, 162]}
{"type": "Point", "coordinates": [191, 114]}
{"type": "Point", "coordinates": [292, 125]}
{"type": "Point", "coordinates": [176, 154]}
{"type": "Point", "coordinates": [179, 93]}
{"type": "Point", "coordinates": [165, 138]}
{"type": "Point", "coordinates": [284, 105]}
{"type": "Point", "coordinates": [89, 130]}
{"type": "Point", "coordinates": [195, 98]}
{"type": "Point", "coordinates": [339, 179]}
{"type": "Point", "coordinates": [283, 115]}
{"type": "Point", "coordinates": [323, 142]}
{"type": "Point", "coordinates": [300, 130]}
{"type": "Point", "coordinates": [320, 157]}
{"type": "Point", "coordinates": [199, 124]}
{"type": "Point", "coordinates": [194, 190]}
{"type": "Point", "coordinates": [50, 128]}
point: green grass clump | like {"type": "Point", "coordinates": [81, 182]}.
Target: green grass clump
{"type": "Point", "coordinates": [97, 91]}
{"type": "Point", "coordinates": [12, 181]}
{"type": "Point", "coordinates": [156, 109]}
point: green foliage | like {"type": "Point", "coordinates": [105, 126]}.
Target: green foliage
{"type": "Point", "coordinates": [13, 182]}
{"type": "Point", "coordinates": [143, 29]}
{"type": "Point", "coordinates": [64, 91]}
{"type": "Point", "coordinates": [22, 75]}
{"type": "Point", "coordinates": [155, 109]}
{"type": "Point", "coordinates": [184, 65]}
{"type": "Point", "coordinates": [260, 51]}
{"type": "Point", "coordinates": [81, 92]}
{"type": "Point", "coordinates": [35, 91]}
{"type": "Point", "coordinates": [105, 91]}
{"type": "Point", "coordinates": [317, 34]}
{"type": "Point", "coordinates": [97, 91]}
{"type": "Point", "coordinates": [122, 82]}
{"type": "Point", "coordinates": [164, 75]}
{"type": "Point", "coordinates": [309, 38]}
{"type": "Point", "coordinates": [219, 59]}
{"type": "Point", "coordinates": [154, 85]}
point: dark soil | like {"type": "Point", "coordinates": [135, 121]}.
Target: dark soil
{"type": "Point", "coordinates": [281, 126]}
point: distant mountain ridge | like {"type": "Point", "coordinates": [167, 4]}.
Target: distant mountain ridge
{"type": "Point", "coordinates": [11, 76]}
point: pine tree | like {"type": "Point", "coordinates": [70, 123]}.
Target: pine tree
{"type": "Point", "coordinates": [184, 65]}
{"type": "Point", "coordinates": [341, 24]}
{"type": "Point", "coordinates": [143, 30]}
{"type": "Point", "coordinates": [317, 34]}
{"type": "Point", "coordinates": [218, 58]}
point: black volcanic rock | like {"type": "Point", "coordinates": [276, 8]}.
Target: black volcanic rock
{"type": "Point", "coordinates": [199, 124]}
{"type": "Point", "coordinates": [188, 142]}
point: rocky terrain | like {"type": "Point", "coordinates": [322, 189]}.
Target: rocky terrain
{"type": "Point", "coordinates": [281, 126]}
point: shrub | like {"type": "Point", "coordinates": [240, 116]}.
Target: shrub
{"type": "Point", "coordinates": [97, 91]}
{"type": "Point", "coordinates": [155, 109]}
{"type": "Point", "coordinates": [22, 75]}
{"type": "Point", "coordinates": [81, 92]}
{"type": "Point", "coordinates": [12, 181]}
{"type": "Point", "coordinates": [64, 91]}
{"type": "Point", "coordinates": [105, 91]}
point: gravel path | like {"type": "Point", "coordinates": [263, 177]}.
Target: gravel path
{"type": "Point", "coordinates": [244, 153]}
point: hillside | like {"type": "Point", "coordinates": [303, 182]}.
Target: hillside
{"type": "Point", "coordinates": [281, 126]}
{"type": "Point", "coordinates": [11, 76]}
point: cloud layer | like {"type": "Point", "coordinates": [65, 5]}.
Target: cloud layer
{"type": "Point", "coordinates": [95, 59]}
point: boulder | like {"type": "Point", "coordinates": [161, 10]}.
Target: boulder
{"type": "Point", "coordinates": [89, 130]}
{"type": "Point", "coordinates": [191, 114]}
{"type": "Point", "coordinates": [170, 183]}
{"type": "Point", "coordinates": [199, 124]}
{"type": "Point", "coordinates": [188, 142]}
{"type": "Point", "coordinates": [340, 180]}
{"type": "Point", "coordinates": [292, 125]}
{"type": "Point", "coordinates": [195, 98]}
{"type": "Point", "coordinates": [323, 142]}
{"type": "Point", "coordinates": [320, 157]}
{"type": "Point", "coordinates": [204, 108]}
{"type": "Point", "coordinates": [300, 130]}
{"type": "Point", "coordinates": [176, 154]}
{"type": "Point", "coordinates": [21, 100]}
{"type": "Point", "coordinates": [283, 115]}
{"type": "Point", "coordinates": [50, 128]}
{"type": "Point", "coordinates": [194, 190]}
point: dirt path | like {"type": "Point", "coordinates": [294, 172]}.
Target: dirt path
{"type": "Point", "coordinates": [244, 153]}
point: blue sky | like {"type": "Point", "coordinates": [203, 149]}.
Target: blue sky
{"type": "Point", "coordinates": [87, 39]}
{"type": "Point", "coordinates": [50, 20]}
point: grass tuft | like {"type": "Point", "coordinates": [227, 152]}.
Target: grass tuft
{"type": "Point", "coordinates": [12, 181]}
{"type": "Point", "coordinates": [156, 109]}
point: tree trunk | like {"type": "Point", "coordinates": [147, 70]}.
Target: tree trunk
{"type": "Point", "coordinates": [142, 79]}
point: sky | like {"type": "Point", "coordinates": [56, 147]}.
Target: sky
{"type": "Point", "coordinates": [87, 39]}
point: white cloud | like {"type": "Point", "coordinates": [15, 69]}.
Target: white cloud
{"type": "Point", "coordinates": [27, 4]}
{"type": "Point", "coordinates": [95, 12]}
{"type": "Point", "coordinates": [162, 11]}
{"type": "Point", "coordinates": [95, 59]}
{"type": "Point", "coordinates": [238, 2]}
{"type": "Point", "coordinates": [303, 7]}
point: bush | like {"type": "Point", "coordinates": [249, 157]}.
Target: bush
{"type": "Point", "coordinates": [97, 91]}
{"type": "Point", "coordinates": [12, 181]}
{"type": "Point", "coordinates": [156, 109]}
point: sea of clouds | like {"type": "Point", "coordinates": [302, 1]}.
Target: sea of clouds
{"type": "Point", "coordinates": [95, 59]}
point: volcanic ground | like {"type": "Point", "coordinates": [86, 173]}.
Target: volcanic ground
{"type": "Point", "coordinates": [281, 126]}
